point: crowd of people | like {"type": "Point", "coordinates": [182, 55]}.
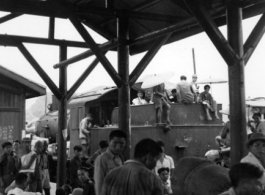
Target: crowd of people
{"type": "Point", "coordinates": [24, 171]}
{"type": "Point", "coordinates": [185, 93]}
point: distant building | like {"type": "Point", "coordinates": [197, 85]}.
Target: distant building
{"type": "Point", "coordinates": [14, 90]}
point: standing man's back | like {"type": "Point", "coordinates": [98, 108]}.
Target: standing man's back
{"type": "Point", "coordinates": [136, 177]}
{"type": "Point", "coordinates": [185, 93]}
{"type": "Point", "coordinates": [109, 159]}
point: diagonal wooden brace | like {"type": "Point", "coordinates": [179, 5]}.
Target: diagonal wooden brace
{"type": "Point", "coordinates": [207, 23]}
{"type": "Point", "coordinates": [40, 71]}
{"type": "Point", "coordinates": [147, 58]}
{"type": "Point", "coordinates": [81, 79]}
{"type": "Point", "coordinates": [254, 39]}
{"type": "Point", "coordinates": [9, 17]}
{"type": "Point", "coordinates": [101, 57]}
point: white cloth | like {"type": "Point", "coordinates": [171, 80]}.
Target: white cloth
{"type": "Point", "coordinates": [138, 101]}
{"type": "Point", "coordinates": [167, 162]}
{"type": "Point", "coordinates": [25, 160]}
{"type": "Point", "coordinates": [18, 191]}
{"type": "Point", "coordinates": [261, 127]}
{"type": "Point", "coordinates": [83, 126]}
{"type": "Point", "coordinates": [250, 158]}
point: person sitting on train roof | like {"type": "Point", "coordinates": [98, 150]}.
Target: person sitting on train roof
{"type": "Point", "coordinates": [184, 91]}
{"type": "Point", "coordinates": [245, 180]}
{"type": "Point", "coordinates": [161, 102]}
{"type": "Point", "coordinates": [256, 147]}
{"type": "Point", "coordinates": [195, 87]}
{"type": "Point", "coordinates": [259, 126]}
{"type": "Point", "coordinates": [208, 102]}
{"type": "Point", "coordinates": [173, 97]}
{"type": "Point", "coordinates": [139, 100]}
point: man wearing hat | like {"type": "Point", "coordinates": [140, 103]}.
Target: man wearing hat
{"type": "Point", "coordinates": [139, 100]}
{"type": "Point", "coordinates": [256, 155]}
{"type": "Point", "coordinates": [8, 168]}
{"type": "Point", "coordinates": [259, 125]}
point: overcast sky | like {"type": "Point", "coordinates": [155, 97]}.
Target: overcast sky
{"type": "Point", "coordinates": [176, 57]}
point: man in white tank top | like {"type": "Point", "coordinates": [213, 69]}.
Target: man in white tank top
{"type": "Point", "coordinates": [28, 160]}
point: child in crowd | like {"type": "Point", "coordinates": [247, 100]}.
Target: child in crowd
{"type": "Point", "coordinates": [87, 184]}
{"type": "Point", "coordinates": [75, 164]}
{"type": "Point", "coordinates": [67, 189]}
{"type": "Point", "coordinates": [164, 175]}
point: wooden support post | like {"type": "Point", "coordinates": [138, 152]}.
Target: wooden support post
{"type": "Point", "coordinates": [51, 27]}
{"type": "Point", "coordinates": [124, 90]}
{"type": "Point", "coordinates": [147, 58]}
{"type": "Point", "coordinates": [237, 85]}
{"type": "Point", "coordinates": [104, 47]}
{"type": "Point", "coordinates": [40, 71]}
{"type": "Point", "coordinates": [9, 17]}
{"type": "Point", "coordinates": [62, 122]}
{"type": "Point", "coordinates": [81, 79]}
{"type": "Point", "coordinates": [104, 61]}
{"type": "Point", "coordinates": [212, 31]}
{"type": "Point", "coordinates": [254, 39]}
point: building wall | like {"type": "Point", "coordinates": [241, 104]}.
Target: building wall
{"type": "Point", "coordinates": [12, 114]}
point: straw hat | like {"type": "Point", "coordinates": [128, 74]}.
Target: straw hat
{"type": "Point", "coordinates": [255, 137]}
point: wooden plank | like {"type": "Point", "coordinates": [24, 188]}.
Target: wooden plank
{"type": "Point", "coordinates": [9, 17]}
{"type": "Point", "coordinates": [13, 40]}
{"type": "Point", "coordinates": [104, 47]}
{"type": "Point", "coordinates": [40, 71]}
{"type": "Point", "coordinates": [51, 27]}
{"type": "Point", "coordinates": [254, 38]}
{"type": "Point", "coordinates": [237, 85]}
{"type": "Point", "coordinates": [124, 90]}
{"type": "Point", "coordinates": [10, 109]}
{"type": "Point", "coordinates": [147, 59]}
{"type": "Point", "coordinates": [104, 61]}
{"type": "Point", "coordinates": [62, 121]}
{"type": "Point", "coordinates": [40, 8]}
{"type": "Point", "coordinates": [213, 32]}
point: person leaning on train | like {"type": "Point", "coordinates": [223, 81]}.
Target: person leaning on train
{"type": "Point", "coordinates": [209, 104]}
{"type": "Point", "coordinates": [256, 155]}
{"type": "Point", "coordinates": [139, 100]}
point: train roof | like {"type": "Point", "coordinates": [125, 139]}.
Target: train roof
{"type": "Point", "coordinates": [91, 95]}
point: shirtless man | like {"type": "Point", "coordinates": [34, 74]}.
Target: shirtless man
{"type": "Point", "coordinates": [161, 102]}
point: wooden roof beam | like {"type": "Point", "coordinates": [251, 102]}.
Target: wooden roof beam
{"type": "Point", "coordinates": [94, 47]}
{"type": "Point", "coordinates": [254, 39]}
{"type": "Point", "coordinates": [40, 71]}
{"type": "Point", "coordinates": [104, 47]}
{"type": "Point", "coordinates": [13, 40]}
{"type": "Point", "coordinates": [213, 32]}
{"type": "Point", "coordinates": [147, 58]}
{"type": "Point", "coordinates": [115, 13]}
{"type": "Point", "coordinates": [40, 8]}
{"type": "Point", "coordinates": [9, 17]}
{"type": "Point", "coordinates": [81, 79]}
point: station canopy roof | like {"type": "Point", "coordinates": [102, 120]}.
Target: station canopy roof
{"type": "Point", "coordinates": [148, 19]}
{"type": "Point", "coordinates": [10, 78]}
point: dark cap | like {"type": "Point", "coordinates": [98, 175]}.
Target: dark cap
{"type": "Point", "coordinates": [255, 137]}
{"type": "Point", "coordinates": [84, 169]}
{"type": "Point", "coordinates": [256, 114]}
{"type": "Point", "coordinates": [140, 91]}
{"type": "Point", "coordinates": [5, 144]}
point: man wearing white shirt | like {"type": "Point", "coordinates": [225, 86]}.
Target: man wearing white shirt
{"type": "Point", "coordinates": [165, 161]}
{"type": "Point", "coordinates": [21, 183]}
